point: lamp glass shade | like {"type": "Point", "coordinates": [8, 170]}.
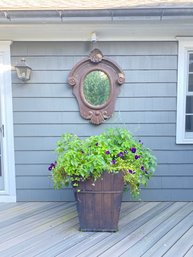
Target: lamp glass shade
{"type": "Point", "coordinates": [23, 70]}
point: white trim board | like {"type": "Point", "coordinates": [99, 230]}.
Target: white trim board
{"type": "Point", "coordinates": [185, 45]}
{"type": "Point", "coordinates": [9, 192]}
{"type": "Point", "coordinates": [158, 31]}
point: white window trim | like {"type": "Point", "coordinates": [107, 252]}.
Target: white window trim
{"type": "Point", "coordinates": [9, 192]}
{"type": "Point", "coordinates": [185, 45]}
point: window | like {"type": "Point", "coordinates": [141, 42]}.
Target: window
{"type": "Point", "coordinates": [184, 129]}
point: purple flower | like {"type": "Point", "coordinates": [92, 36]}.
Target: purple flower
{"type": "Point", "coordinates": [113, 162]}
{"type": "Point", "coordinates": [52, 166]}
{"type": "Point", "coordinates": [130, 171]}
{"type": "Point", "coordinates": [97, 144]}
{"type": "Point", "coordinates": [107, 152]}
{"type": "Point", "coordinates": [133, 149]}
{"type": "Point", "coordinates": [137, 157]}
{"type": "Point", "coordinates": [142, 167]}
{"type": "Point", "coordinates": [120, 154]}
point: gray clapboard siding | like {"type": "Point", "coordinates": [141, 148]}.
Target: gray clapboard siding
{"type": "Point", "coordinates": [147, 76]}
{"type": "Point", "coordinates": [34, 157]}
{"type": "Point", "coordinates": [37, 144]}
{"type": "Point", "coordinates": [81, 130]}
{"type": "Point", "coordinates": [61, 117]}
{"type": "Point", "coordinates": [148, 90]}
{"type": "Point", "coordinates": [44, 195]}
{"type": "Point", "coordinates": [171, 194]}
{"type": "Point", "coordinates": [42, 90]}
{"type": "Point", "coordinates": [63, 90]}
{"type": "Point", "coordinates": [33, 182]}
{"type": "Point", "coordinates": [146, 104]}
{"type": "Point", "coordinates": [50, 63]}
{"type": "Point", "coordinates": [127, 62]}
{"type": "Point", "coordinates": [177, 170]}
{"type": "Point", "coordinates": [45, 108]}
{"type": "Point", "coordinates": [181, 157]}
{"type": "Point", "coordinates": [83, 48]}
{"type": "Point", "coordinates": [32, 170]}
{"type": "Point", "coordinates": [49, 143]}
{"type": "Point", "coordinates": [70, 104]}
{"type": "Point", "coordinates": [170, 182]}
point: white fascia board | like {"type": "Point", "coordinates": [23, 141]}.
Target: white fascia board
{"type": "Point", "coordinates": [105, 32]}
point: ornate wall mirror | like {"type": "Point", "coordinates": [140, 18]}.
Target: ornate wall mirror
{"type": "Point", "coordinates": [96, 82]}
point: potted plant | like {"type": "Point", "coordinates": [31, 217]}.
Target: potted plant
{"type": "Point", "coordinates": [98, 167]}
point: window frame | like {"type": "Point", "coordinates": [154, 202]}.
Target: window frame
{"type": "Point", "coordinates": [184, 48]}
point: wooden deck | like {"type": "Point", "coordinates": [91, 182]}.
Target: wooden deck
{"type": "Point", "coordinates": [51, 229]}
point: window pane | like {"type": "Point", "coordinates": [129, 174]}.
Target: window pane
{"type": "Point", "coordinates": [189, 104]}
{"type": "Point", "coordinates": [191, 63]}
{"type": "Point", "coordinates": [189, 123]}
{"type": "Point", "coordinates": [190, 83]}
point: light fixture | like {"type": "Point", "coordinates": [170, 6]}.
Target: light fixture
{"type": "Point", "coordinates": [23, 70]}
{"type": "Point", "coordinates": [93, 37]}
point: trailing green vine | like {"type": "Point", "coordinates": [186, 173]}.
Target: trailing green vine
{"type": "Point", "coordinates": [115, 150]}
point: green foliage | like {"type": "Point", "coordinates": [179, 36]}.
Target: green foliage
{"type": "Point", "coordinates": [96, 88]}
{"type": "Point", "coordinates": [115, 150]}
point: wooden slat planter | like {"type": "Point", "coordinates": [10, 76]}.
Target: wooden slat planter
{"type": "Point", "coordinates": [99, 203]}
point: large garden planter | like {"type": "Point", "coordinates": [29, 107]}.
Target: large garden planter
{"type": "Point", "coordinates": [99, 203]}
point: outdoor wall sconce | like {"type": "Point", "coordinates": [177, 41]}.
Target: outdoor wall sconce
{"type": "Point", "coordinates": [23, 70]}
{"type": "Point", "coordinates": [96, 82]}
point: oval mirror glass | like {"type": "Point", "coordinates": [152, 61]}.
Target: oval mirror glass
{"type": "Point", "coordinates": [96, 88]}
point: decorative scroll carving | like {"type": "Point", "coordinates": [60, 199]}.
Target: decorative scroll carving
{"type": "Point", "coordinates": [83, 79]}
{"type": "Point", "coordinates": [97, 117]}
{"type": "Point", "coordinates": [96, 56]}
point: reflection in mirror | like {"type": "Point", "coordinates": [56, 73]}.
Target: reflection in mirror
{"type": "Point", "coordinates": [96, 88]}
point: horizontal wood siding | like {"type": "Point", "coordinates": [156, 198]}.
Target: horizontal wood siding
{"type": "Point", "coordinates": [44, 108]}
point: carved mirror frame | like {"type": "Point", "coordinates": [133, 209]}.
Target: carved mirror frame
{"type": "Point", "coordinates": [96, 62]}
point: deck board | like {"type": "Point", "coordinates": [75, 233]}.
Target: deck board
{"type": "Point", "coordinates": [48, 229]}
{"type": "Point", "coordinates": [148, 240]}
{"type": "Point", "coordinates": [189, 253]}
{"type": "Point", "coordinates": [182, 245]}
{"type": "Point", "coordinates": [171, 238]}
{"type": "Point", "coordinates": [126, 226]}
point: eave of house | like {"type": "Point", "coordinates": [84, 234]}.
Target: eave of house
{"type": "Point", "coordinates": [109, 25]}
